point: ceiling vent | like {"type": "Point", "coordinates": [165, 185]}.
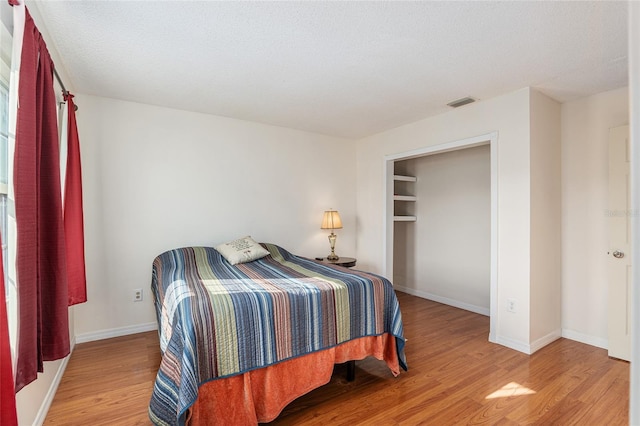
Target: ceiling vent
{"type": "Point", "coordinates": [462, 101]}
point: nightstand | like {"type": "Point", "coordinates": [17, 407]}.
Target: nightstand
{"type": "Point", "coordinates": [346, 262]}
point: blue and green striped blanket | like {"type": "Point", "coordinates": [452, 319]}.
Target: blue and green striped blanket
{"type": "Point", "coordinates": [217, 320]}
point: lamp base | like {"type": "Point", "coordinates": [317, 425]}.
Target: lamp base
{"type": "Point", "coordinates": [332, 243]}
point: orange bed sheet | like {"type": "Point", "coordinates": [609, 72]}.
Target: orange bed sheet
{"type": "Point", "coordinates": [261, 395]}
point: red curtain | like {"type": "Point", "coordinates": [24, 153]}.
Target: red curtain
{"type": "Point", "coordinates": [40, 257]}
{"type": "Point", "coordinates": [8, 415]}
{"type": "Point", "coordinates": [73, 217]}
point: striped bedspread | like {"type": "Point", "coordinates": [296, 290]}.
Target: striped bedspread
{"type": "Point", "coordinates": [217, 320]}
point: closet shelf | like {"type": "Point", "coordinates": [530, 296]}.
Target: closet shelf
{"type": "Point", "coordinates": [405, 178]}
{"type": "Point", "coordinates": [404, 198]}
{"type": "Point", "coordinates": [404, 212]}
{"type": "Point", "coordinates": [404, 218]}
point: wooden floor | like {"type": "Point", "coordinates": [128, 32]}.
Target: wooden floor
{"type": "Point", "coordinates": [455, 377]}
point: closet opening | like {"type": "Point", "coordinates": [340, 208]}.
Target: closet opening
{"type": "Point", "coordinates": [441, 223]}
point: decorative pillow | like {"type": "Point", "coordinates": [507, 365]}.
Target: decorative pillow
{"type": "Point", "coordinates": [242, 250]}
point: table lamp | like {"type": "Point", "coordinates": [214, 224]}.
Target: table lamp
{"type": "Point", "coordinates": [331, 220]}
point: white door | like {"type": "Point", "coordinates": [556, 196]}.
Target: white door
{"type": "Point", "coordinates": [619, 253]}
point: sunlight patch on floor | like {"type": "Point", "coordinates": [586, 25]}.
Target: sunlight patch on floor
{"type": "Point", "coordinates": [511, 389]}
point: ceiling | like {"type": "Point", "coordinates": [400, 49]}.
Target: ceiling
{"type": "Point", "coordinates": [340, 68]}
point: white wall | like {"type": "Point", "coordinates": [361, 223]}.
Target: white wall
{"type": "Point", "coordinates": [158, 178]}
{"type": "Point", "coordinates": [546, 267]}
{"type": "Point", "coordinates": [445, 254]}
{"type": "Point", "coordinates": [585, 127]}
{"type": "Point", "coordinates": [509, 116]}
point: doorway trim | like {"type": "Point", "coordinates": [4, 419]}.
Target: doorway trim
{"type": "Point", "coordinates": [490, 139]}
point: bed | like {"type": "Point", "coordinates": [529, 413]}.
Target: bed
{"type": "Point", "coordinates": [239, 342]}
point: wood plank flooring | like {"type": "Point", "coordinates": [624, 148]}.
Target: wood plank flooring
{"type": "Point", "coordinates": [108, 382]}
{"type": "Point", "coordinates": [455, 377]}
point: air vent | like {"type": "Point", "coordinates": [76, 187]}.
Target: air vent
{"type": "Point", "coordinates": [459, 102]}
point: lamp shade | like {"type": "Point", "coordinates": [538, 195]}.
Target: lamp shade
{"type": "Point", "coordinates": [331, 220]}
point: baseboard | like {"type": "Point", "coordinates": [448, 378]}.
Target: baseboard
{"type": "Point", "coordinates": [544, 341]}
{"type": "Point", "coordinates": [41, 415]}
{"type": "Point", "coordinates": [514, 344]}
{"type": "Point", "coordinates": [585, 338]}
{"type": "Point", "coordinates": [510, 343]}
{"type": "Point", "coordinates": [115, 332]}
{"type": "Point", "coordinates": [444, 300]}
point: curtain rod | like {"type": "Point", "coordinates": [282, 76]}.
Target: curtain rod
{"type": "Point", "coordinates": [64, 89]}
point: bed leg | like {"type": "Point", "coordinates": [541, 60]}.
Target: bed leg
{"type": "Point", "coordinates": [351, 370]}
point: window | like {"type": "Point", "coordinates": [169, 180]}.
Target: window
{"type": "Point", "coordinates": [4, 168]}
{"type": "Point", "coordinates": [7, 215]}
{"type": "Point", "coordinates": [5, 70]}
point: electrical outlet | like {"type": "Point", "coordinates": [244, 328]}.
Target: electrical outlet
{"type": "Point", "coordinates": [137, 295]}
{"type": "Point", "coordinates": [511, 305]}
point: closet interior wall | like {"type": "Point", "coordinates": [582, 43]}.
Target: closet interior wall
{"type": "Point", "coordinates": [444, 255]}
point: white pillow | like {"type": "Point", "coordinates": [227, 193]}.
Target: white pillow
{"type": "Point", "coordinates": [242, 250]}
